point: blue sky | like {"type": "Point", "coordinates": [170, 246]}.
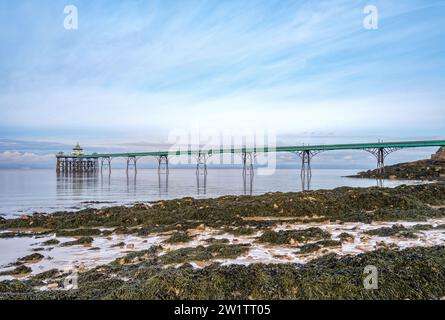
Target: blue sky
{"type": "Point", "coordinates": [136, 70]}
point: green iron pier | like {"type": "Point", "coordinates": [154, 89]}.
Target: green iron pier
{"type": "Point", "coordinates": [77, 161]}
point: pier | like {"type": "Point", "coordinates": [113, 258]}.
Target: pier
{"type": "Point", "coordinates": [77, 161]}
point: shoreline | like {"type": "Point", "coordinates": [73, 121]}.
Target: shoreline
{"type": "Point", "coordinates": [236, 239]}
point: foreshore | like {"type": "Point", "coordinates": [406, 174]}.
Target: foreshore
{"type": "Point", "coordinates": [305, 245]}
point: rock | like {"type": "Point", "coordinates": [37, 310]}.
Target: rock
{"type": "Point", "coordinates": [32, 258]}
{"type": "Point", "coordinates": [85, 241]}
{"type": "Point", "coordinates": [50, 242]}
{"type": "Point", "coordinates": [20, 270]}
{"type": "Point", "coordinates": [439, 156]}
{"type": "Point", "coordinates": [120, 244]}
{"type": "Point", "coordinates": [201, 227]}
{"type": "Point", "coordinates": [52, 286]}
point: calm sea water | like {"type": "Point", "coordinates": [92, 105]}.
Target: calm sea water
{"type": "Point", "coordinates": [28, 191]}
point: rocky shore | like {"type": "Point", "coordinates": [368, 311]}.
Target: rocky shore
{"type": "Point", "coordinates": [429, 169]}
{"type": "Point", "coordinates": [306, 245]}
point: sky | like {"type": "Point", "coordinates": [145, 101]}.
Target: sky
{"type": "Point", "coordinates": [136, 71]}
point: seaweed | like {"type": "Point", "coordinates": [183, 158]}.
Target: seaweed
{"type": "Point", "coordinates": [414, 202]}
{"type": "Point", "coordinates": [240, 231]}
{"type": "Point", "coordinates": [201, 253]}
{"type": "Point", "coordinates": [45, 275]}
{"type": "Point", "coordinates": [32, 258]}
{"type": "Point", "coordinates": [85, 241]}
{"type": "Point", "coordinates": [179, 237]}
{"type": "Point", "coordinates": [50, 242]}
{"type": "Point", "coordinates": [78, 232]}
{"type": "Point", "coordinates": [345, 237]}
{"type": "Point", "coordinates": [217, 241]}
{"type": "Point", "coordinates": [312, 247]}
{"type": "Point", "coordinates": [20, 270]}
{"type": "Point", "coordinates": [292, 236]}
{"type": "Point", "coordinates": [394, 231]}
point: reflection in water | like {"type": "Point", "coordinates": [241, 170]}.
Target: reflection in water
{"type": "Point", "coordinates": [28, 191]}
{"type": "Point", "coordinates": [248, 184]}
{"type": "Point", "coordinates": [131, 186]}
{"type": "Point", "coordinates": [76, 181]}
{"type": "Point", "coordinates": [163, 182]}
{"type": "Point", "coordinates": [379, 182]}
{"type": "Point", "coordinates": [201, 187]}
{"type": "Point", "coordinates": [306, 177]}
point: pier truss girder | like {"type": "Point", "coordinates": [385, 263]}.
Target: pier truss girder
{"type": "Point", "coordinates": [163, 164]}
{"type": "Point", "coordinates": [381, 154]}
{"type": "Point", "coordinates": [248, 159]}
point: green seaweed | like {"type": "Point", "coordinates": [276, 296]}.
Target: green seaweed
{"type": "Point", "coordinates": [201, 253]}
{"type": "Point", "coordinates": [179, 237]}
{"type": "Point", "coordinates": [312, 247]}
{"type": "Point", "coordinates": [289, 236]}
{"type": "Point", "coordinates": [81, 241]}
{"type": "Point", "coordinates": [344, 237]}
{"type": "Point", "coordinates": [394, 231]}
{"type": "Point", "coordinates": [32, 258]}
{"type": "Point", "coordinates": [83, 232]}
{"type": "Point", "coordinates": [50, 242]}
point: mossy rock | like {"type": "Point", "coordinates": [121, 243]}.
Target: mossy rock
{"type": "Point", "coordinates": [20, 270]}
{"type": "Point", "coordinates": [201, 253]}
{"type": "Point", "coordinates": [85, 241]}
{"type": "Point", "coordinates": [312, 247]}
{"type": "Point", "coordinates": [78, 232]}
{"type": "Point", "coordinates": [50, 242]}
{"type": "Point", "coordinates": [32, 258]}
{"type": "Point", "coordinates": [290, 236]}
{"type": "Point", "coordinates": [394, 231]}
{"type": "Point", "coordinates": [179, 237]}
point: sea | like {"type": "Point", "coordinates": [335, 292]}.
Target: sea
{"type": "Point", "coordinates": [44, 191]}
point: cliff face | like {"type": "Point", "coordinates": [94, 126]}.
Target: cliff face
{"type": "Point", "coordinates": [439, 156]}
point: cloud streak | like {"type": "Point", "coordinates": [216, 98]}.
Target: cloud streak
{"type": "Point", "coordinates": [136, 70]}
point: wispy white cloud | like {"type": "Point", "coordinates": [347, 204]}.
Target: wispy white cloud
{"type": "Point", "coordinates": [147, 67]}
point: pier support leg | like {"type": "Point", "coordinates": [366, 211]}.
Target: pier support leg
{"type": "Point", "coordinates": [381, 154]}
{"type": "Point", "coordinates": [163, 164]}
{"type": "Point", "coordinates": [105, 162]}
{"type": "Point", "coordinates": [306, 170]}
{"type": "Point", "coordinates": [248, 161]}
{"type": "Point", "coordinates": [201, 162]}
{"type": "Point", "coordinates": [132, 162]}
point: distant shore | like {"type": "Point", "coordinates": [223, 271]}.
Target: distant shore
{"type": "Point", "coordinates": [427, 170]}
